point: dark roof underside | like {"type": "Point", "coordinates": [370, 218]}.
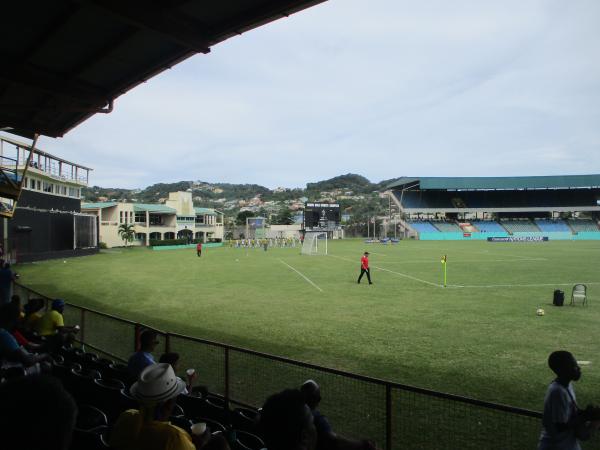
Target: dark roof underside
{"type": "Point", "coordinates": [63, 61]}
{"type": "Point", "coordinates": [474, 183]}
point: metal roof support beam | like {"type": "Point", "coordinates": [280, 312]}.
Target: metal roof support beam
{"type": "Point", "coordinates": [160, 19]}
{"type": "Point", "coordinates": [51, 29]}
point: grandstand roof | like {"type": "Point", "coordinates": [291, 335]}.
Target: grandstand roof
{"type": "Point", "coordinates": [63, 61]}
{"type": "Point", "coordinates": [97, 205]}
{"type": "Point", "coordinates": [475, 183]}
{"type": "Point", "coordinates": [153, 208]}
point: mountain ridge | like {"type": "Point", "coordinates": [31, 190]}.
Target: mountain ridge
{"type": "Point", "coordinates": [347, 186]}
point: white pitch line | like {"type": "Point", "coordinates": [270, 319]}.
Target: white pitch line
{"type": "Point", "coordinates": [517, 285]}
{"type": "Point", "coordinates": [396, 273]}
{"type": "Point", "coordinates": [301, 274]}
{"type": "Point", "coordinates": [457, 261]}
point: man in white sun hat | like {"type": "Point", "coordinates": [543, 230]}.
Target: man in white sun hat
{"type": "Point", "coordinates": [148, 428]}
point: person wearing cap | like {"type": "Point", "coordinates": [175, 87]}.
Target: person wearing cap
{"type": "Point", "coordinates": [364, 267]}
{"type": "Point", "coordinates": [52, 322]}
{"type": "Point", "coordinates": [326, 438]}
{"type": "Point", "coordinates": [149, 428]}
{"type": "Point", "coordinates": [52, 326]}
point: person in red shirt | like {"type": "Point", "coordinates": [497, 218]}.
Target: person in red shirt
{"type": "Point", "coordinates": [199, 248]}
{"type": "Point", "coordinates": [364, 267]}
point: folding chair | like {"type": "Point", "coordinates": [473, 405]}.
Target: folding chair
{"type": "Point", "coordinates": [579, 293]}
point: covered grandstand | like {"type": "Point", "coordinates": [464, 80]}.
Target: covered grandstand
{"type": "Point", "coordinates": [536, 207]}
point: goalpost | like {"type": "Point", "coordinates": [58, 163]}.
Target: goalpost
{"type": "Point", "coordinates": [315, 243]}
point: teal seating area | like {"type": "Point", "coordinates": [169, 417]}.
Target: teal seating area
{"type": "Point", "coordinates": [519, 226]}
{"type": "Point", "coordinates": [447, 226]}
{"type": "Point", "coordinates": [579, 225]}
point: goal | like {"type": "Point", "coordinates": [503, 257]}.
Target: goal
{"type": "Point", "coordinates": [315, 243]}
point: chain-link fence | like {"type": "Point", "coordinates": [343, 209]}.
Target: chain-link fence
{"type": "Point", "coordinates": [395, 416]}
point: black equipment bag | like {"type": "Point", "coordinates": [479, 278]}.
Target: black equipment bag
{"type": "Point", "coordinates": [559, 297]}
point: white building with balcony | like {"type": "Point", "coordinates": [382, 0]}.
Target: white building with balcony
{"type": "Point", "coordinates": [40, 205]}
{"type": "Point", "coordinates": [176, 219]}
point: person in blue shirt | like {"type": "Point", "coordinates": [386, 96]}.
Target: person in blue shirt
{"type": "Point", "coordinates": [11, 353]}
{"type": "Point", "coordinates": [143, 357]}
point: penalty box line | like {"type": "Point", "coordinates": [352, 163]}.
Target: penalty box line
{"type": "Point", "coordinates": [301, 274]}
{"type": "Point", "coordinates": [396, 273]}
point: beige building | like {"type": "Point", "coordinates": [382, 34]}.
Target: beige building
{"type": "Point", "coordinates": [177, 218]}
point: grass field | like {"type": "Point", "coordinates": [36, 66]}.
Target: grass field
{"type": "Point", "coordinates": [478, 337]}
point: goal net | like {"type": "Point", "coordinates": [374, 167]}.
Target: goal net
{"type": "Point", "coordinates": [315, 243]}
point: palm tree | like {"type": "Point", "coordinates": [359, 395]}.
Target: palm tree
{"type": "Point", "coordinates": [126, 232]}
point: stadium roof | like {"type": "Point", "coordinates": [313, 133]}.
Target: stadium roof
{"type": "Point", "coordinates": [98, 205]}
{"type": "Point", "coordinates": [63, 61]}
{"type": "Point", "coordinates": [475, 183]}
{"type": "Point", "coordinates": [153, 208]}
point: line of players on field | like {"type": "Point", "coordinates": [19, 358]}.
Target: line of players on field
{"type": "Point", "coordinates": [279, 242]}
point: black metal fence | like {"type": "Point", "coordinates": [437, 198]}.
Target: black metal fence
{"type": "Point", "coordinates": [393, 415]}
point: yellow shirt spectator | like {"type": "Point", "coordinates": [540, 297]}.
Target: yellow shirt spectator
{"type": "Point", "coordinates": [32, 320]}
{"type": "Point", "coordinates": [49, 322]}
{"type": "Point", "coordinates": [131, 432]}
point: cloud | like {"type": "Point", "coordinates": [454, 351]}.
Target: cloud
{"type": "Point", "coordinates": [382, 88]}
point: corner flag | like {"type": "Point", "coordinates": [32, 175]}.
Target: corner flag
{"type": "Point", "coordinates": [444, 261]}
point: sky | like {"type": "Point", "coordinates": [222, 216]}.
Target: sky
{"type": "Point", "coordinates": [379, 88]}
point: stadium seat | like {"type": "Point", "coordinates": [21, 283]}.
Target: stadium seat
{"type": "Point", "coordinates": [79, 382]}
{"type": "Point", "coordinates": [214, 407]}
{"type": "Point", "coordinates": [194, 406]}
{"type": "Point", "coordinates": [105, 393]}
{"type": "Point", "coordinates": [182, 422]}
{"type": "Point", "coordinates": [89, 440]}
{"type": "Point", "coordinates": [120, 372]}
{"type": "Point", "coordinates": [72, 354]}
{"type": "Point", "coordinates": [244, 419]}
{"type": "Point", "coordinates": [100, 364]}
{"type": "Point", "coordinates": [90, 418]}
{"type": "Point", "coordinates": [247, 441]}
{"type": "Point", "coordinates": [63, 370]}
{"type": "Point", "coordinates": [579, 292]}
{"type": "Point", "coordinates": [122, 403]}
{"type": "Point", "coordinates": [214, 425]}
{"type": "Point", "coordinates": [87, 358]}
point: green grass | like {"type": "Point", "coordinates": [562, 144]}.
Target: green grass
{"type": "Point", "coordinates": [481, 340]}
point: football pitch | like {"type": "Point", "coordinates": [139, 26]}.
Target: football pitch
{"type": "Point", "coordinates": [479, 336]}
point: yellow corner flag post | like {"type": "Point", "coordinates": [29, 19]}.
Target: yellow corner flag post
{"type": "Point", "coordinates": [444, 261]}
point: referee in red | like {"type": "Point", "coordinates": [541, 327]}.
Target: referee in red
{"type": "Point", "coordinates": [364, 267]}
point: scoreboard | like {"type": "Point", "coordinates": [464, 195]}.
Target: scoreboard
{"type": "Point", "coordinates": [321, 215]}
{"type": "Point", "coordinates": [255, 222]}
